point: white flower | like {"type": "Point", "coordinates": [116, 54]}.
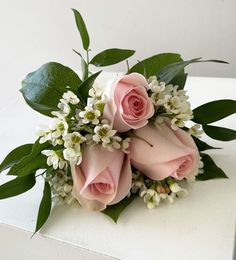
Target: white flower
{"type": "Point", "coordinates": [54, 160]}
{"type": "Point", "coordinates": [64, 107]}
{"type": "Point", "coordinates": [151, 198]}
{"type": "Point", "coordinates": [61, 186]}
{"type": "Point", "coordinates": [90, 101]}
{"type": "Point", "coordinates": [125, 145]}
{"type": "Point", "coordinates": [90, 115]}
{"type": "Point", "coordinates": [44, 133]}
{"type": "Point", "coordinates": [73, 155]}
{"type": "Point", "coordinates": [159, 99]}
{"type": "Point", "coordinates": [103, 133]}
{"type": "Point", "coordinates": [138, 186]}
{"type": "Point", "coordinates": [175, 188]}
{"type": "Point", "coordinates": [96, 91]}
{"type": "Point", "coordinates": [195, 130]}
{"type": "Point", "coordinates": [114, 143]}
{"type": "Point", "coordinates": [179, 120]}
{"type": "Point", "coordinates": [59, 128]}
{"type": "Point", "coordinates": [72, 139]}
{"type": "Point", "coordinates": [70, 97]}
{"type": "Point", "coordinates": [155, 85]}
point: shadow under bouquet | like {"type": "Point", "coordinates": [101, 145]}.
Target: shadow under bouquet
{"type": "Point", "coordinates": [133, 136]}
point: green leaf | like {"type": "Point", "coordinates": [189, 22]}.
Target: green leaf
{"type": "Point", "coordinates": [219, 133]}
{"type": "Point", "coordinates": [115, 210]}
{"type": "Point", "coordinates": [214, 111]}
{"type": "Point", "coordinates": [180, 80]}
{"type": "Point", "coordinates": [202, 146]}
{"type": "Point", "coordinates": [155, 63]}
{"type": "Point", "coordinates": [111, 56]}
{"type": "Point", "coordinates": [211, 170]}
{"type": "Point", "coordinates": [82, 29]}
{"type": "Point", "coordinates": [168, 73]}
{"type": "Point", "coordinates": [45, 207]}
{"type": "Point", "coordinates": [85, 86]}
{"type": "Point", "coordinates": [84, 68]}
{"type": "Point", "coordinates": [29, 164]}
{"type": "Point", "coordinates": [15, 156]}
{"type": "Point", "coordinates": [17, 186]}
{"type": "Point", "coordinates": [43, 88]}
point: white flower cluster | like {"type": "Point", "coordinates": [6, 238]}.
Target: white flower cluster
{"type": "Point", "coordinates": [105, 135]}
{"type": "Point", "coordinates": [170, 103]}
{"type": "Point", "coordinates": [74, 125]}
{"type": "Point", "coordinates": [61, 186]}
{"type": "Point", "coordinates": [153, 192]}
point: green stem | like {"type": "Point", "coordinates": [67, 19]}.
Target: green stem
{"type": "Point", "coordinates": [87, 57]}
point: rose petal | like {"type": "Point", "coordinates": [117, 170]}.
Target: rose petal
{"type": "Point", "coordinates": [124, 182]}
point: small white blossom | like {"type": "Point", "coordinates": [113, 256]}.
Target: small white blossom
{"type": "Point", "coordinates": [45, 134]}
{"type": "Point", "coordinates": [138, 186]}
{"type": "Point", "coordinates": [64, 107]}
{"type": "Point", "coordinates": [196, 130]}
{"type": "Point", "coordinates": [103, 133]}
{"type": "Point", "coordinates": [73, 155]}
{"type": "Point", "coordinates": [71, 139]}
{"type": "Point", "coordinates": [90, 115]}
{"type": "Point", "coordinates": [170, 102]}
{"type": "Point", "coordinates": [96, 91]}
{"type": "Point", "coordinates": [175, 188]}
{"type": "Point", "coordinates": [54, 160]}
{"type": "Point", "coordinates": [61, 186]}
{"type": "Point", "coordinates": [125, 145]}
{"type": "Point", "coordinates": [151, 198]}
{"type": "Point", "coordinates": [59, 128]}
{"type": "Point", "coordinates": [179, 120]}
{"type": "Point", "coordinates": [70, 97]}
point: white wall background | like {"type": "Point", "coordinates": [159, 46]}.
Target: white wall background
{"type": "Point", "coordinates": [33, 32]}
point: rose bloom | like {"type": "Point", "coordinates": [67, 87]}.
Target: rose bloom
{"type": "Point", "coordinates": [103, 178]}
{"type": "Point", "coordinates": [129, 106]}
{"type": "Point", "coordinates": [160, 152]}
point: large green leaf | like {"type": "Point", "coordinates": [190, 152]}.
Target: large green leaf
{"type": "Point", "coordinates": [214, 111]}
{"type": "Point", "coordinates": [85, 86]}
{"type": "Point", "coordinates": [155, 63]}
{"type": "Point", "coordinates": [180, 80]}
{"type": "Point", "coordinates": [219, 133]}
{"type": "Point", "coordinates": [202, 146]}
{"type": "Point", "coordinates": [45, 207]}
{"type": "Point", "coordinates": [82, 29]}
{"type": "Point", "coordinates": [29, 164]}
{"type": "Point", "coordinates": [168, 73]}
{"type": "Point", "coordinates": [115, 210]}
{"type": "Point", "coordinates": [15, 156]}
{"type": "Point", "coordinates": [43, 88]}
{"type": "Point", "coordinates": [211, 170]}
{"type": "Point", "coordinates": [111, 56]}
{"type": "Point", "coordinates": [17, 186]}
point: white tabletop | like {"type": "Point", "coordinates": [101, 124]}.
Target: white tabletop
{"type": "Point", "coordinates": [200, 226]}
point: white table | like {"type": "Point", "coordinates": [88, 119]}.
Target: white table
{"type": "Point", "coordinates": [200, 226]}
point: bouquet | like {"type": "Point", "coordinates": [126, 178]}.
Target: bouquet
{"type": "Point", "coordinates": [134, 136]}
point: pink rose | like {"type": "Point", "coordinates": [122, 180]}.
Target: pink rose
{"type": "Point", "coordinates": [162, 152]}
{"type": "Point", "coordinates": [103, 178]}
{"type": "Point", "coordinates": [129, 106]}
